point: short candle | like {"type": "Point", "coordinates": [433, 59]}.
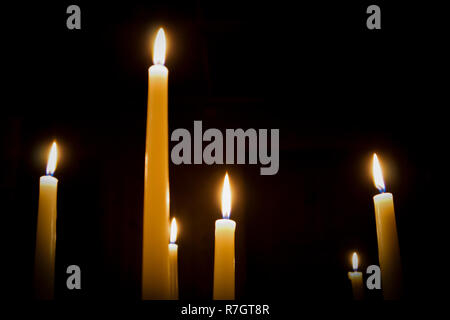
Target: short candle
{"type": "Point", "coordinates": [356, 279]}
{"type": "Point", "coordinates": [173, 261]}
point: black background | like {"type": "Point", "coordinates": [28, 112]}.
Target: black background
{"type": "Point", "coordinates": [337, 91]}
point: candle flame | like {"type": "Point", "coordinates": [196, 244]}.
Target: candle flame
{"type": "Point", "coordinates": [173, 231]}
{"type": "Point", "coordinates": [159, 48]}
{"type": "Point", "coordinates": [355, 261]}
{"type": "Point", "coordinates": [51, 163]}
{"type": "Point", "coordinates": [226, 198]}
{"type": "Point", "coordinates": [377, 174]}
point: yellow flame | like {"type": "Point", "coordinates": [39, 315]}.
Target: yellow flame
{"type": "Point", "coordinates": [377, 174]}
{"type": "Point", "coordinates": [355, 261]}
{"type": "Point", "coordinates": [226, 198]}
{"type": "Point", "coordinates": [159, 48]}
{"type": "Point", "coordinates": [173, 231]}
{"type": "Point", "coordinates": [52, 157]}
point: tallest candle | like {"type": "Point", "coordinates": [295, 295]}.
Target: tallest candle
{"type": "Point", "coordinates": [388, 247]}
{"type": "Point", "coordinates": [44, 261]}
{"type": "Point", "coordinates": [224, 277]}
{"type": "Point", "coordinates": [155, 255]}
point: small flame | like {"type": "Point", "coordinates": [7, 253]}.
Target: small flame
{"type": "Point", "coordinates": [51, 163]}
{"type": "Point", "coordinates": [159, 49]}
{"type": "Point", "coordinates": [226, 198]}
{"type": "Point", "coordinates": [377, 174]}
{"type": "Point", "coordinates": [173, 231]}
{"type": "Point", "coordinates": [355, 261]}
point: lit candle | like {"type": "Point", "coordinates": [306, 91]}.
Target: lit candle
{"type": "Point", "coordinates": [356, 279]}
{"type": "Point", "coordinates": [224, 249]}
{"type": "Point", "coordinates": [173, 261]}
{"type": "Point", "coordinates": [155, 255]}
{"type": "Point", "coordinates": [388, 248]}
{"type": "Point", "coordinates": [44, 261]}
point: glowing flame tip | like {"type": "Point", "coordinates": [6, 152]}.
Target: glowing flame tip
{"type": "Point", "coordinates": [377, 174]}
{"type": "Point", "coordinates": [159, 48]}
{"type": "Point", "coordinates": [52, 157]}
{"type": "Point", "coordinates": [173, 231]}
{"type": "Point", "coordinates": [355, 261]}
{"type": "Point", "coordinates": [226, 198]}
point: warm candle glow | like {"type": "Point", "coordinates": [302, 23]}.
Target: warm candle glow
{"type": "Point", "coordinates": [173, 231]}
{"type": "Point", "coordinates": [355, 261]}
{"type": "Point", "coordinates": [159, 49]}
{"type": "Point", "coordinates": [377, 174]}
{"type": "Point", "coordinates": [51, 163]}
{"type": "Point", "coordinates": [226, 198]}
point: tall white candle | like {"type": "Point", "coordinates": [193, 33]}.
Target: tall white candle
{"type": "Point", "coordinates": [388, 247]}
{"type": "Point", "coordinates": [44, 261]}
{"type": "Point", "coordinates": [155, 255]}
{"type": "Point", "coordinates": [224, 276]}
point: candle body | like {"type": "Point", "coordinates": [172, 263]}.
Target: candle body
{"type": "Point", "coordinates": [44, 260]}
{"type": "Point", "coordinates": [173, 271]}
{"type": "Point", "coordinates": [388, 247]}
{"type": "Point", "coordinates": [155, 257]}
{"type": "Point", "coordinates": [357, 284]}
{"type": "Point", "coordinates": [224, 283]}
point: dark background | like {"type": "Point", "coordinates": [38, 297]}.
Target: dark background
{"type": "Point", "coordinates": [337, 91]}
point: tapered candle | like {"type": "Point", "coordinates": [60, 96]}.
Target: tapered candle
{"type": "Point", "coordinates": [44, 260]}
{"type": "Point", "coordinates": [356, 279]}
{"type": "Point", "coordinates": [388, 247]}
{"type": "Point", "coordinates": [173, 261]}
{"type": "Point", "coordinates": [155, 255]}
{"type": "Point", "coordinates": [224, 283]}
